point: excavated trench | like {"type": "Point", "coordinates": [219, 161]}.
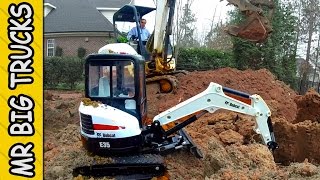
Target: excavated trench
{"type": "Point", "coordinates": [226, 138]}
{"type": "Point", "coordinates": [300, 139]}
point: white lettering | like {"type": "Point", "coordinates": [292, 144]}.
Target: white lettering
{"type": "Point", "coordinates": [22, 8]}
{"type": "Point", "coordinates": [22, 159]}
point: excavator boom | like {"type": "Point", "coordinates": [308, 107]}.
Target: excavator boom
{"type": "Point", "coordinates": [214, 98]}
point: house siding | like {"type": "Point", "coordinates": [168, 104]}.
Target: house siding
{"type": "Point", "coordinates": [71, 44]}
{"type": "Point", "coordinates": [108, 14]}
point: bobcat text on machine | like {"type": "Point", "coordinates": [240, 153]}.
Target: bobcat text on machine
{"type": "Point", "coordinates": [113, 117]}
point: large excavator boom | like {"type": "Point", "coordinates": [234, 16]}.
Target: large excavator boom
{"type": "Point", "coordinates": [161, 21]}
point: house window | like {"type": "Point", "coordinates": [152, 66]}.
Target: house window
{"type": "Point", "coordinates": [50, 47]}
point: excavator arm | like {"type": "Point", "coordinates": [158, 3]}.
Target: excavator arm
{"type": "Point", "coordinates": [215, 97]}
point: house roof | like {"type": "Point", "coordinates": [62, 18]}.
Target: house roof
{"type": "Point", "coordinates": [109, 3]}
{"type": "Point", "coordinates": [75, 16]}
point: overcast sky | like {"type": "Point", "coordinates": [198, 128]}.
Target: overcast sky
{"type": "Point", "coordinates": [203, 10]}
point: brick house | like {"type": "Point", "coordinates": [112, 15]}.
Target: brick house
{"type": "Point", "coordinates": [73, 24]}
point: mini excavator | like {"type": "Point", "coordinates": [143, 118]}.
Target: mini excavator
{"type": "Point", "coordinates": [113, 116]}
{"type": "Point", "coordinates": [158, 51]}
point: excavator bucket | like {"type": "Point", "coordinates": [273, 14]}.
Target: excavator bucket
{"type": "Point", "coordinates": [256, 28]}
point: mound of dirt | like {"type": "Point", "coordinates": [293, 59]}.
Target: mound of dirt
{"type": "Point", "coordinates": [298, 140]}
{"type": "Point", "coordinates": [231, 147]}
{"type": "Point", "coordinates": [68, 154]}
{"type": "Point", "coordinates": [278, 96]}
{"type": "Point", "coordinates": [303, 170]}
{"type": "Point", "coordinates": [253, 161]}
{"type": "Point", "coordinates": [308, 107]}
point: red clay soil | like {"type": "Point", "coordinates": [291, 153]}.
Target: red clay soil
{"type": "Point", "coordinates": [300, 140]}
{"type": "Point", "coordinates": [309, 107]}
{"type": "Point", "coordinates": [278, 95]}
{"type": "Point", "coordinates": [231, 148]}
{"type": "Point", "coordinates": [297, 141]}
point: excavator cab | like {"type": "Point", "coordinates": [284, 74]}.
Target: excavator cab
{"type": "Point", "coordinates": [117, 81]}
{"type": "Point", "coordinates": [127, 17]}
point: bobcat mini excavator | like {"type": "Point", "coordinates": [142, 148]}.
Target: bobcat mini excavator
{"type": "Point", "coordinates": [158, 52]}
{"type": "Point", "coordinates": [113, 117]}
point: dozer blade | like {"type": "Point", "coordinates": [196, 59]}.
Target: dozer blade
{"type": "Point", "coordinates": [144, 166]}
{"type": "Point", "coordinates": [256, 28]}
{"type": "Point", "coordinates": [192, 147]}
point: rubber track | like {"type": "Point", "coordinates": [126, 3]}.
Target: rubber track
{"type": "Point", "coordinates": [145, 166]}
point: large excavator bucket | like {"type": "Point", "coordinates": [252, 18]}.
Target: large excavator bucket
{"type": "Point", "coordinates": [256, 28]}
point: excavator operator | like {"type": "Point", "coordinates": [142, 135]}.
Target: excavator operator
{"type": "Point", "coordinates": [145, 34]}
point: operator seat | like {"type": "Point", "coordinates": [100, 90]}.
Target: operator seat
{"type": "Point", "coordinates": [104, 87]}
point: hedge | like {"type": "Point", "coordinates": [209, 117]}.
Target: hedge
{"type": "Point", "coordinates": [203, 59]}
{"type": "Point", "coordinates": [63, 70]}
{"type": "Point", "coordinates": [69, 70]}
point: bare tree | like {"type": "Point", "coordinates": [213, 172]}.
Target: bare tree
{"type": "Point", "coordinates": [310, 12]}
{"type": "Point", "coordinates": [184, 27]}
{"type": "Point", "coordinates": [316, 61]}
{"type": "Point", "coordinates": [177, 30]}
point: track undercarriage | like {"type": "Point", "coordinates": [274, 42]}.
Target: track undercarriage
{"type": "Point", "coordinates": [146, 162]}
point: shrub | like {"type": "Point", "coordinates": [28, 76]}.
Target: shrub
{"type": "Point", "coordinates": [73, 71]}
{"type": "Point", "coordinates": [122, 39]}
{"type": "Point", "coordinates": [53, 71]}
{"type": "Point", "coordinates": [81, 52]}
{"type": "Point", "coordinates": [203, 59]}
{"type": "Point", "coordinates": [66, 70]}
{"type": "Point", "coordinates": [59, 51]}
